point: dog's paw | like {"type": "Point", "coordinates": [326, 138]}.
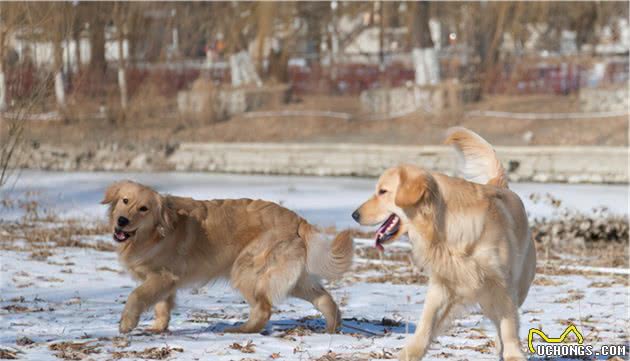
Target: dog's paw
{"type": "Point", "coordinates": [155, 330]}
{"type": "Point", "coordinates": [128, 323]}
{"type": "Point", "coordinates": [244, 328]}
{"type": "Point", "coordinates": [515, 358]}
{"type": "Point", "coordinates": [512, 352]}
{"type": "Point", "coordinates": [409, 354]}
{"type": "Point", "coordinates": [239, 329]}
{"type": "Point", "coordinates": [158, 326]}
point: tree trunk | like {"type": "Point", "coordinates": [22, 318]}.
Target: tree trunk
{"type": "Point", "coordinates": [265, 22]}
{"type": "Point", "coordinates": [3, 84]}
{"type": "Point", "coordinates": [122, 78]}
{"type": "Point", "coordinates": [492, 46]}
{"type": "Point", "coordinates": [97, 45]}
{"type": "Point", "coordinates": [243, 70]}
{"type": "Point", "coordinates": [120, 23]}
{"type": "Point", "coordinates": [60, 91]}
{"type": "Point", "coordinates": [381, 38]}
{"type": "Point", "coordinates": [77, 49]}
{"type": "Point", "coordinates": [423, 53]}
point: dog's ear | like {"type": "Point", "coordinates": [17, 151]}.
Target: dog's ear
{"type": "Point", "coordinates": [167, 215]}
{"type": "Point", "coordinates": [411, 189]}
{"type": "Point", "coordinates": [111, 193]}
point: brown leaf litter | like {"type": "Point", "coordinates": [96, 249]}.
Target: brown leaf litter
{"type": "Point", "coordinates": [151, 353]}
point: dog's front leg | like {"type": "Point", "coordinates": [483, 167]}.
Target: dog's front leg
{"type": "Point", "coordinates": [155, 288]}
{"type": "Point", "coordinates": [437, 307]}
{"type": "Point", "coordinates": [163, 314]}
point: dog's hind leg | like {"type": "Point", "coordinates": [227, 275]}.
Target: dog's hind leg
{"type": "Point", "coordinates": [501, 309]}
{"type": "Point", "coordinates": [259, 315]}
{"type": "Point", "coordinates": [264, 278]}
{"type": "Point", "coordinates": [309, 289]}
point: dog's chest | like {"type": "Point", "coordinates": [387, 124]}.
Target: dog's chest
{"type": "Point", "coordinates": [418, 247]}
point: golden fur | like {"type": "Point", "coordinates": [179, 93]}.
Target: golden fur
{"type": "Point", "coordinates": [473, 238]}
{"type": "Point", "coordinates": [266, 251]}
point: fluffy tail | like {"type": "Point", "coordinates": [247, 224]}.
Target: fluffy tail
{"type": "Point", "coordinates": [326, 258]}
{"type": "Point", "coordinates": [478, 161]}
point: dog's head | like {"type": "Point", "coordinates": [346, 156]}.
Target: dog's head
{"type": "Point", "coordinates": [399, 191]}
{"type": "Point", "coordinates": [136, 211]}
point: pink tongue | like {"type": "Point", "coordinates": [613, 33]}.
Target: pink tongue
{"type": "Point", "coordinates": [383, 227]}
{"type": "Point", "coordinates": [120, 235]}
{"type": "Point", "coordinates": [381, 231]}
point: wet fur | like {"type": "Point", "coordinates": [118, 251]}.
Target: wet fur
{"type": "Point", "coordinates": [473, 238]}
{"type": "Point", "coordinates": [266, 252]}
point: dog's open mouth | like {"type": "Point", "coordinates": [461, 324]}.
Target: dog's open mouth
{"type": "Point", "coordinates": [387, 231]}
{"type": "Point", "coordinates": [121, 236]}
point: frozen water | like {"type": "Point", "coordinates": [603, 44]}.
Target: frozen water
{"type": "Point", "coordinates": [324, 201]}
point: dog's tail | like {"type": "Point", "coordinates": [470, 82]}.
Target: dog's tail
{"type": "Point", "coordinates": [326, 258]}
{"type": "Point", "coordinates": [478, 161]}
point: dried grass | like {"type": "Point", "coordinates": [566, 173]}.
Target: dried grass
{"type": "Point", "coordinates": [42, 233]}
{"type": "Point", "coordinates": [69, 350]}
{"type": "Point", "coordinates": [247, 347]}
{"type": "Point", "coordinates": [151, 353]}
{"type": "Point", "coordinates": [6, 354]}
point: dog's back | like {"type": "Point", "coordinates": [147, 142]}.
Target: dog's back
{"type": "Point", "coordinates": [231, 225]}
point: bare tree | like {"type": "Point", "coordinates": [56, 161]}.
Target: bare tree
{"type": "Point", "coordinates": [58, 23]}
{"type": "Point", "coordinates": [423, 52]}
{"type": "Point", "coordinates": [98, 13]}
{"type": "Point", "coordinates": [12, 125]}
{"type": "Point", "coordinates": [121, 11]}
{"type": "Point", "coordinates": [11, 14]}
{"type": "Point", "coordinates": [4, 29]}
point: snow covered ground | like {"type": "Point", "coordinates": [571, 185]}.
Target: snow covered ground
{"type": "Point", "coordinates": [66, 303]}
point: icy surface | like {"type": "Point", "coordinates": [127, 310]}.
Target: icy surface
{"type": "Point", "coordinates": [322, 200]}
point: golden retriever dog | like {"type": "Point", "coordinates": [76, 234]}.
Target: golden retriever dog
{"type": "Point", "coordinates": [472, 237]}
{"type": "Point", "coordinates": [266, 251]}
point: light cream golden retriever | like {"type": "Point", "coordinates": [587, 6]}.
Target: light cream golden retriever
{"type": "Point", "coordinates": [266, 251]}
{"type": "Point", "coordinates": [473, 238]}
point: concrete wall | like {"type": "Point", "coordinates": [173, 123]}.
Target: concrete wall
{"type": "Point", "coordinates": [206, 101]}
{"type": "Point", "coordinates": [604, 99]}
{"type": "Point", "coordinates": [540, 164]}
{"type": "Point", "coordinates": [403, 99]}
{"type": "Point", "coordinates": [391, 102]}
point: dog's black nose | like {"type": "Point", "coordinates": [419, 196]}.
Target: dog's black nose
{"type": "Point", "coordinates": [122, 221]}
{"type": "Point", "coordinates": [356, 215]}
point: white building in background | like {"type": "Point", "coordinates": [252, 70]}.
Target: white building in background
{"type": "Point", "coordinates": [615, 38]}
{"type": "Point", "coordinates": [41, 52]}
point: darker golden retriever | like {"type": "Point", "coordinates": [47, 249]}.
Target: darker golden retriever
{"type": "Point", "coordinates": [266, 251]}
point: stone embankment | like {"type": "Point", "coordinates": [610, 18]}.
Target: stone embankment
{"type": "Point", "coordinates": [586, 164]}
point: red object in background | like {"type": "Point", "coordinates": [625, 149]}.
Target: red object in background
{"type": "Point", "coordinates": [20, 81]}
{"type": "Point", "coordinates": [351, 78]}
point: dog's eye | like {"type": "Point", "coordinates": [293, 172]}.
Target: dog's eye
{"type": "Point", "coordinates": [125, 200]}
{"type": "Point", "coordinates": [382, 191]}
{"type": "Point", "coordinates": [143, 209]}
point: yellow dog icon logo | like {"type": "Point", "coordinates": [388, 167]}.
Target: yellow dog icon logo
{"type": "Point", "coordinates": [567, 331]}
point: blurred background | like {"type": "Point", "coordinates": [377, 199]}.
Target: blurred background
{"type": "Point", "coordinates": [151, 76]}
